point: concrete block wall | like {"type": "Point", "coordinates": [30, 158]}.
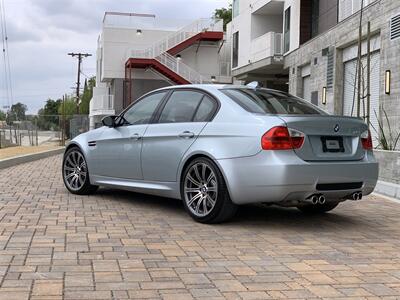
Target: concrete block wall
{"type": "Point", "coordinates": [389, 165]}
{"type": "Point", "coordinates": [389, 173]}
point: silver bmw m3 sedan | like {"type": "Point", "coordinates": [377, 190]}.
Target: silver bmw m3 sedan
{"type": "Point", "coordinates": [217, 147]}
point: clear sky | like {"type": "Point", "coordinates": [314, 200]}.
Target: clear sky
{"type": "Point", "coordinates": [42, 32]}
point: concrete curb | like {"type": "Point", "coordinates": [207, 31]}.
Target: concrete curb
{"type": "Point", "coordinates": [387, 197]}
{"type": "Point", "coordinates": [10, 162]}
{"type": "Point", "coordinates": [388, 189]}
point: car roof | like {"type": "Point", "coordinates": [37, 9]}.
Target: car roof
{"type": "Point", "coordinates": [213, 87]}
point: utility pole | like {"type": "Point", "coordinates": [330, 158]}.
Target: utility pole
{"type": "Point", "coordinates": [78, 82]}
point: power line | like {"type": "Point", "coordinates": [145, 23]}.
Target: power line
{"type": "Point", "coordinates": [80, 56]}
{"type": "Point", "coordinates": [36, 95]}
{"type": "Point", "coordinates": [6, 56]}
{"type": "Point", "coordinates": [87, 77]}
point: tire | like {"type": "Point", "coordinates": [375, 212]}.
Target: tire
{"type": "Point", "coordinates": [204, 193]}
{"type": "Point", "coordinates": [318, 208]}
{"type": "Point", "coordinates": [75, 173]}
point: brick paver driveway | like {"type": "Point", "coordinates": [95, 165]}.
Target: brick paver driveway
{"type": "Point", "coordinates": [123, 245]}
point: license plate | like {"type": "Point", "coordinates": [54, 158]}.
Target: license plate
{"type": "Point", "coordinates": [332, 144]}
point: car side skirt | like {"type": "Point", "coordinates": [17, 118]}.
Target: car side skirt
{"type": "Point", "coordinates": [162, 189]}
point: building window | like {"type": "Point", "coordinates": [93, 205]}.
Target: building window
{"type": "Point", "coordinates": [235, 8]}
{"type": "Point", "coordinates": [314, 17]}
{"type": "Point", "coordinates": [235, 50]}
{"type": "Point", "coordinates": [286, 31]}
{"type": "Point", "coordinates": [349, 7]}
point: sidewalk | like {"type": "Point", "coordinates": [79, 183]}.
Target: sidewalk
{"type": "Point", "coordinates": [25, 150]}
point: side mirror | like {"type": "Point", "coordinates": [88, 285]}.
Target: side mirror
{"type": "Point", "coordinates": [109, 121]}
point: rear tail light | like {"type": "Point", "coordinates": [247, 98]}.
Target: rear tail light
{"type": "Point", "coordinates": [366, 140]}
{"type": "Point", "coordinates": [282, 138]}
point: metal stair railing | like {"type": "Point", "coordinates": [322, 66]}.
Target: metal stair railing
{"type": "Point", "coordinates": [180, 68]}
{"type": "Point", "coordinates": [159, 49]}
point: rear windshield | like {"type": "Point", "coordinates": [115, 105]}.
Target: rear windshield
{"type": "Point", "coordinates": [271, 102]}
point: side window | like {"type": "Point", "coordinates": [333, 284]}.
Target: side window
{"type": "Point", "coordinates": [235, 50]}
{"type": "Point", "coordinates": [286, 31]}
{"type": "Point", "coordinates": [181, 107]}
{"type": "Point", "coordinates": [142, 111]}
{"type": "Point", "coordinates": [205, 110]}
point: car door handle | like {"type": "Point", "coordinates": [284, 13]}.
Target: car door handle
{"type": "Point", "coordinates": [186, 135]}
{"type": "Point", "coordinates": [135, 137]}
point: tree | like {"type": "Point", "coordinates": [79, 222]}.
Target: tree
{"type": "Point", "coordinates": [18, 111]}
{"type": "Point", "coordinates": [51, 107]}
{"type": "Point", "coordinates": [48, 118]}
{"type": "Point", "coordinates": [70, 109]}
{"type": "Point", "coordinates": [87, 95]}
{"type": "Point", "coordinates": [224, 14]}
{"type": "Point", "coordinates": [2, 115]}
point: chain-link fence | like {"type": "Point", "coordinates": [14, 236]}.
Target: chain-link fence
{"type": "Point", "coordinates": [42, 130]}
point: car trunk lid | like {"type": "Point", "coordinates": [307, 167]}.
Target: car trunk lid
{"type": "Point", "coordinates": [328, 138]}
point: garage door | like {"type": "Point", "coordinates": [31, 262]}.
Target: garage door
{"type": "Point", "coordinates": [348, 90]}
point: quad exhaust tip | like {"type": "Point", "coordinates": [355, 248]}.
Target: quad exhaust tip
{"type": "Point", "coordinates": [320, 198]}
{"type": "Point", "coordinates": [357, 196]}
{"type": "Point", "coordinates": [315, 199]}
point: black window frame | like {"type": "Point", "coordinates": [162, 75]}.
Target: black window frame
{"type": "Point", "coordinates": [120, 121]}
{"type": "Point", "coordinates": [205, 93]}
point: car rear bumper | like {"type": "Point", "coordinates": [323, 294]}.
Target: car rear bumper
{"type": "Point", "coordinates": [281, 176]}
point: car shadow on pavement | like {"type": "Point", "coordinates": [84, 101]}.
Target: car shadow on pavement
{"type": "Point", "coordinates": [251, 216]}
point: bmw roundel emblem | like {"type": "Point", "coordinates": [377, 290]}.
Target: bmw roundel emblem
{"type": "Point", "coordinates": [336, 128]}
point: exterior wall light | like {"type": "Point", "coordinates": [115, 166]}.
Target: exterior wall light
{"type": "Point", "coordinates": [213, 78]}
{"type": "Point", "coordinates": [388, 78]}
{"type": "Point", "coordinates": [139, 31]}
{"type": "Point", "coordinates": [324, 95]}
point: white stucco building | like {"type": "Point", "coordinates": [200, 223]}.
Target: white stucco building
{"type": "Point", "coordinates": [138, 53]}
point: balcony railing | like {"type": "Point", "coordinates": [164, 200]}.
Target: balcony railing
{"type": "Point", "coordinates": [267, 45]}
{"type": "Point", "coordinates": [141, 21]}
{"type": "Point", "coordinates": [101, 104]}
{"type": "Point", "coordinates": [178, 37]}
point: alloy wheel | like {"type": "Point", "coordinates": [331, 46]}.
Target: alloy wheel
{"type": "Point", "coordinates": [200, 189]}
{"type": "Point", "coordinates": [75, 170]}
